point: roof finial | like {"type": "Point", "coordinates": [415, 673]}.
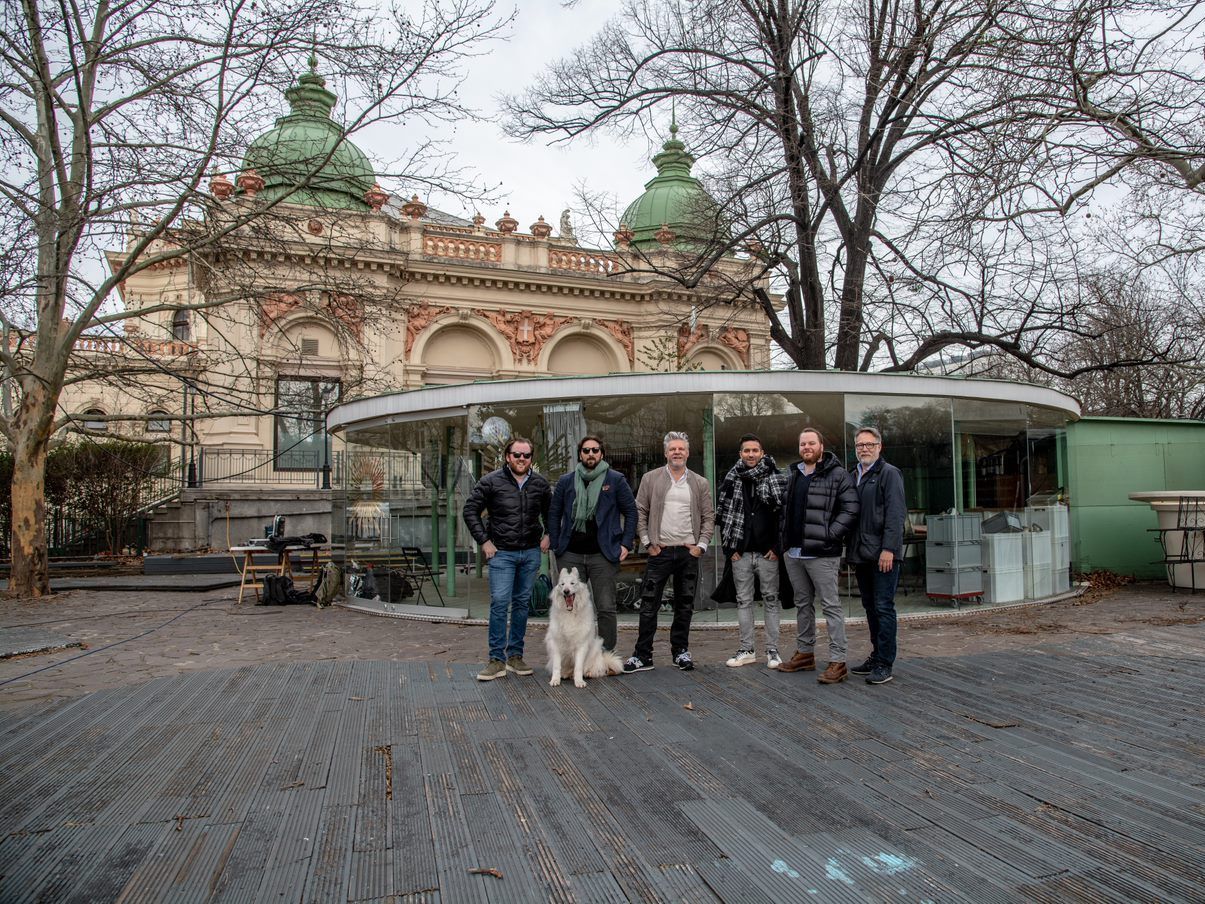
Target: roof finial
{"type": "Point", "coordinates": [314, 60]}
{"type": "Point", "coordinates": [673, 117]}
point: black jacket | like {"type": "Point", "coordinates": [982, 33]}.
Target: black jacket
{"type": "Point", "coordinates": [830, 511]}
{"type": "Point", "coordinates": [516, 516]}
{"type": "Point", "coordinates": [881, 519]}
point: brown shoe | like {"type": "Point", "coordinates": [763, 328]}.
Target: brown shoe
{"type": "Point", "coordinates": [800, 662]}
{"type": "Point", "coordinates": [835, 672]}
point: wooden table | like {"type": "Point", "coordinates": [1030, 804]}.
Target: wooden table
{"type": "Point", "coordinates": [251, 572]}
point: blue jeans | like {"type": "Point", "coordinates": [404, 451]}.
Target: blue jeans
{"type": "Point", "coordinates": [512, 575]}
{"type": "Point", "coordinates": [877, 589]}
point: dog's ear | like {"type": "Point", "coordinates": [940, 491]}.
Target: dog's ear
{"type": "Point", "coordinates": [562, 575]}
{"type": "Point", "coordinates": [573, 573]}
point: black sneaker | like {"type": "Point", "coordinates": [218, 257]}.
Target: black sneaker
{"type": "Point", "coordinates": [880, 675]}
{"type": "Point", "coordinates": [683, 661]}
{"type": "Point", "coordinates": [636, 664]}
{"type": "Point", "coordinates": [864, 669]}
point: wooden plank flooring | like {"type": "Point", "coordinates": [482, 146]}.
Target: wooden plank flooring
{"type": "Point", "coordinates": [1066, 773]}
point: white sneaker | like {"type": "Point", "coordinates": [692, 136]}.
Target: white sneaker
{"type": "Point", "coordinates": [773, 660]}
{"type": "Point", "coordinates": [742, 657]}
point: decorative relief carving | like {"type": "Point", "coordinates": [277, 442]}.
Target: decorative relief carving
{"type": "Point", "coordinates": [737, 339]}
{"type": "Point", "coordinates": [418, 318]}
{"type": "Point", "coordinates": [621, 330]}
{"type": "Point", "coordinates": [527, 333]}
{"type": "Point", "coordinates": [688, 339]}
{"type": "Point", "coordinates": [274, 307]}
{"type": "Point", "coordinates": [345, 309]}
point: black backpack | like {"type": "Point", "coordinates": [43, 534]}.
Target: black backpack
{"type": "Point", "coordinates": [279, 591]}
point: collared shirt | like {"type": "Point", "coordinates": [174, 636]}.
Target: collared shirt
{"type": "Point", "coordinates": [677, 528]}
{"type": "Point", "coordinates": [519, 480]}
{"type": "Point", "coordinates": [862, 469]}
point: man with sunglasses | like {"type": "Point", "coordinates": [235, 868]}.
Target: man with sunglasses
{"type": "Point", "coordinates": [512, 537]}
{"type": "Point", "coordinates": [592, 527]}
{"type": "Point", "coordinates": [876, 548]}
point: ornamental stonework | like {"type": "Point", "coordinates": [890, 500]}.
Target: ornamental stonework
{"type": "Point", "coordinates": [688, 338]}
{"type": "Point", "coordinates": [418, 318]}
{"type": "Point", "coordinates": [527, 333]}
{"type": "Point", "coordinates": [622, 331]}
{"type": "Point", "coordinates": [737, 339]}
{"type": "Point", "coordinates": [337, 307]}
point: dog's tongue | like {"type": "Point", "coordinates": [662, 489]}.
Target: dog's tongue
{"type": "Point", "coordinates": [569, 601]}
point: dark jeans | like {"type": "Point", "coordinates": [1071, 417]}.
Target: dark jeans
{"type": "Point", "coordinates": [878, 599]}
{"type": "Point", "coordinates": [678, 563]}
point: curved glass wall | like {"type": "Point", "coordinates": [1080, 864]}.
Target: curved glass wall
{"type": "Point", "coordinates": [984, 481]}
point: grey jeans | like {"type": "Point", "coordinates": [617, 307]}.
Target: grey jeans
{"type": "Point", "coordinates": [813, 578]}
{"type": "Point", "coordinates": [601, 573]}
{"type": "Point", "coordinates": [743, 570]}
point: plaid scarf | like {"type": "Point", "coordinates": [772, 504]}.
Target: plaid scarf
{"type": "Point", "coordinates": [769, 487]}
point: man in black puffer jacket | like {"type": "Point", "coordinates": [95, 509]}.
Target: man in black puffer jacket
{"type": "Point", "coordinates": [821, 509]}
{"type": "Point", "coordinates": [512, 537]}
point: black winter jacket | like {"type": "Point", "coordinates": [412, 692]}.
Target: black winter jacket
{"type": "Point", "coordinates": [829, 514]}
{"type": "Point", "coordinates": [516, 516]}
{"type": "Point", "coordinates": [881, 519]}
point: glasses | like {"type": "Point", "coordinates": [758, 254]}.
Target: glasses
{"type": "Point", "coordinates": [520, 455]}
{"type": "Point", "coordinates": [590, 450]}
{"type": "Point", "coordinates": [865, 445]}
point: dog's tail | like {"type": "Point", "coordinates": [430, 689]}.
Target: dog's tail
{"type": "Point", "coordinates": [613, 663]}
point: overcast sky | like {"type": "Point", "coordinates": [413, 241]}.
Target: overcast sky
{"type": "Point", "coordinates": [535, 178]}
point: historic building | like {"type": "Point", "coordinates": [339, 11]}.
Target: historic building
{"type": "Point", "coordinates": [341, 291]}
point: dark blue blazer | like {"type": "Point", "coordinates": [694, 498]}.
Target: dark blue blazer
{"type": "Point", "coordinates": [615, 500]}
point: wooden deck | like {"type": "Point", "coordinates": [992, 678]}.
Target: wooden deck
{"type": "Point", "coordinates": [1069, 773]}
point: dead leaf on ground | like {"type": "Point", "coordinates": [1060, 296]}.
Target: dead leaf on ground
{"type": "Point", "coordinates": [485, 871]}
{"type": "Point", "coordinates": [690, 706]}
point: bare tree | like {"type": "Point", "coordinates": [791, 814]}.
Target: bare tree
{"type": "Point", "coordinates": [112, 115]}
{"type": "Point", "coordinates": [1131, 319]}
{"type": "Point", "coordinates": [897, 167]}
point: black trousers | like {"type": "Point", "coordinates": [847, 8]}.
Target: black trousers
{"type": "Point", "coordinates": [678, 563]}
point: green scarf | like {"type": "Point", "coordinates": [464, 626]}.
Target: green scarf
{"type": "Point", "coordinates": [587, 487]}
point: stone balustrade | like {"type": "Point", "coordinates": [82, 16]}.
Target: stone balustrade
{"type": "Point", "coordinates": [155, 347]}
{"type": "Point", "coordinates": [462, 249]}
{"type": "Point", "coordinates": [577, 261]}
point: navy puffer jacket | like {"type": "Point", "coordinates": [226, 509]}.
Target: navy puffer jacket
{"type": "Point", "coordinates": [820, 524]}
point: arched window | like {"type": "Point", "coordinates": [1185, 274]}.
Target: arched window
{"type": "Point", "coordinates": [158, 422]}
{"type": "Point", "coordinates": [91, 422]}
{"type": "Point", "coordinates": [181, 326]}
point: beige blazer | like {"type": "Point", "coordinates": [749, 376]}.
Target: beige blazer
{"type": "Point", "coordinates": [650, 502]}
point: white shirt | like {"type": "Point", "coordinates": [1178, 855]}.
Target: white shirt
{"type": "Point", "coordinates": [677, 529]}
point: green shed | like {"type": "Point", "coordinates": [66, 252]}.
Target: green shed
{"type": "Point", "coordinates": [1111, 457]}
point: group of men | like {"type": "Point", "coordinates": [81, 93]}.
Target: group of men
{"type": "Point", "coordinates": [802, 521]}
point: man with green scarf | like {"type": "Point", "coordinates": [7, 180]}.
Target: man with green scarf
{"type": "Point", "coordinates": [593, 527]}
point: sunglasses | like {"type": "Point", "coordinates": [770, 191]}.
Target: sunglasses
{"type": "Point", "coordinates": [520, 455]}
{"type": "Point", "coordinates": [591, 449]}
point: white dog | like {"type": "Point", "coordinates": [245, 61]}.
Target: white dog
{"type": "Point", "coordinates": [572, 639]}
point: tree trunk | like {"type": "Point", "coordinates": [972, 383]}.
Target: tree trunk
{"type": "Point", "coordinates": [30, 575]}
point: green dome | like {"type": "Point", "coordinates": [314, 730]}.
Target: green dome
{"type": "Point", "coordinates": [673, 198]}
{"type": "Point", "coordinates": [300, 142]}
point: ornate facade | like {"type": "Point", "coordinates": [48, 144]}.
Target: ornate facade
{"type": "Point", "coordinates": [358, 293]}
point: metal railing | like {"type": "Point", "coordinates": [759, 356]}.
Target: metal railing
{"type": "Point", "coordinates": [259, 466]}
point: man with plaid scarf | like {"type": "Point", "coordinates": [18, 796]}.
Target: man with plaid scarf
{"type": "Point", "coordinates": [747, 510]}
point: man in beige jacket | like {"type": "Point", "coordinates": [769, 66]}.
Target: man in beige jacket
{"type": "Point", "coordinates": [675, 520]}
